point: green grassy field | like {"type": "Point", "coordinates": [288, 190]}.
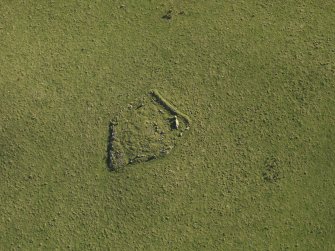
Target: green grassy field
{"type": "Point", "coordinates": [257, 170]}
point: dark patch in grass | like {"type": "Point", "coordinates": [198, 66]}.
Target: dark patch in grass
{"type": "Point", "coordinates": [111, 137]}
{"type": "Point", "coordinates": [272, 171]}
{"type": "Point", "coordinates": [167, 15]}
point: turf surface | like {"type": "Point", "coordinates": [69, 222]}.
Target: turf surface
{"type": "Point", "coordinates": [257, 169]}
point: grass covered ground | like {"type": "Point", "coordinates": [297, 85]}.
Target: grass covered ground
{"type": "Point", "coordinates": [256, 171]}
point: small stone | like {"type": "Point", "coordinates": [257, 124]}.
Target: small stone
{"type": "Point", "coordinates": [175, 122]}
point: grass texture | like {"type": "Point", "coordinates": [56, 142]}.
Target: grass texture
{"type": "Point", "coordinates": [257, 168]}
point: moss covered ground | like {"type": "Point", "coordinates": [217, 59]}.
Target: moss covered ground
{"type": "Point", "coordinates": [255, 172]}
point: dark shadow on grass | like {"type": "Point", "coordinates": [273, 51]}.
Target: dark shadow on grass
{"type": "Point", "coordinates": [111, 137]}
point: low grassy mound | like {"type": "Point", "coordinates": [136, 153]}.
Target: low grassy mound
{"type": "Point", "coordinates": [146, 129]}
